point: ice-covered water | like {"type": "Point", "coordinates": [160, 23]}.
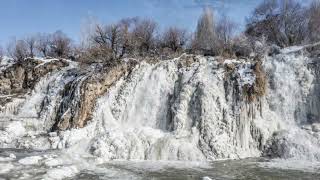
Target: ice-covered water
{"type": "Point", "coordinates": [23, 164]}
{"type": "Point", "coordinates": [163, 115]}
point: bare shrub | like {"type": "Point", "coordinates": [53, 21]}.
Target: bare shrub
{"type": "Point", "coordinates": [242, 46]}
{"type": "Point", "coordinates": [261, 79]}
{"type": "Point", "coordinates": [259, 88]}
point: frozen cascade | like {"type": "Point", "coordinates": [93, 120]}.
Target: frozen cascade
{"type": "Point", "coordinates": [291, 100]}
{"type": "Point", "coordinates": [163, 112]}
{"type": "Point", "coordinates": [193, 116]}
{"type": "Point", "coordinates": [176, 110]}
{"type": "Point", "coordinates": [34, 113]}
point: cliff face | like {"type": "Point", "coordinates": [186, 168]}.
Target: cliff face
{"type": "Point", "coordinates": [188, 108]}
{"type": "Point", "coordinates": [22, 76]}
{"type": "Point", "coordinates": [80, 94]}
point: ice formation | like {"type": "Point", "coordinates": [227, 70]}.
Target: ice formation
{"type": "Point", "coordinates": [175, 110]}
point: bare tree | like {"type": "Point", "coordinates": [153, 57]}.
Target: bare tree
{"type": "Point", "coordinates": [282, 22]}
{"type": "Point", "coordinates": [17, 49]}
{"type": "Point", "coordinates": [205, 37]}
{"type": "Point", "coordinates": [314, 22]}
{"type": "Point", "coordinates": [43, 44]}
{"type": "Point", "coordinates": [144, 35]}
{"type": "Point", "coordinates": [109, 38]}
{"type": "Point", "coordinates": [293, 22]}
{"type": "Point", "coordinates": [112, 42]}
{"type": "Point", "coordinates": [127, 26]}
{"type": "Point", "coordinates": [114, 37]}
{"type": "Point", "coordinates": [100, 36]}
{"type": "Point", "coordinates": [174, 38]}
{"type": "Point", "coordinates": [30, 41]}
{"type": "Point", "coordinates": [225, 30]}
{"type": "Point", "coordinates": [60, 45]}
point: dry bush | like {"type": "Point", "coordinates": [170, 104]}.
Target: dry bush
{"type": "Point", "coordinates": [96, 55]}
{"type": "Point", "coordinates": [258, 89]}
{"type": "Point", "coordinates": [242, 46]}
{"type": "Point", "coordinates": [261, 79]}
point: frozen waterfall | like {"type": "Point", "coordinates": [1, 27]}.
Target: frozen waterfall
{"type": "Point", "coordinates": [189, 108]}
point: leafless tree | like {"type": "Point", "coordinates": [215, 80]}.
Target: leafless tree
{"type": "Point", "coordinates": [60, 45]}
{"type": "Point", "coordinates": [282, 22]}
{"type": "Point", "coordinates": [31, 44]}
{"type": "Point", "coordinates": [111, 42]}
{"type": "Point", "coordinates": [17, 49]}
{"type": "Point", "coordinates": [205, 36]}
{"type": "Point", "coordinates": [174, 38]}
{"type": "Point", "coordinates": [294, 22]}
{"type": "Point", "coordinates": [114, 38]}
{"type": "Point", "coordinates": [127, 26]}
{"type": "Point", "coordinates": [314, 22]}
{"type": "Point", "coordinates": [225, 30]}
{"type": "Point", "coordinates": [144, 35]}
{"type": "Point", "coordinates": [43, 44]}
{"type": "Point", "coordinates": [110, 39]}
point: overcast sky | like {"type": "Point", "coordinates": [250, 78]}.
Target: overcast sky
{"type": "Point", "coordinates": [22, 17]}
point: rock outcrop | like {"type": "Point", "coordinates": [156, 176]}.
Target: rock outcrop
{"type": "Point", "coordinates": [22, 76]}
{"type": "Point", "coordinates": [79, 96]}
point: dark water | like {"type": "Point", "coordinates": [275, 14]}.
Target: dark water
{"type": "Point", "coordinates": [223, 170]}
{"type": "Point", "coordinates": [245, 169]}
